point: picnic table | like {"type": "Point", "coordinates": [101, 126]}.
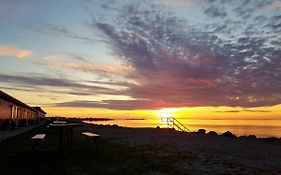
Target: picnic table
{"type": "Point", "coordinates": [69, 128]}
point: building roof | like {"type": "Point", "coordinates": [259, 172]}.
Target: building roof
{"type": "Point", "coordinates": [37, 108]}
{"type": "Point", "coordinates": [9, 98]}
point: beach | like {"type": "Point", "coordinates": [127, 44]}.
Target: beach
{"type": "Point", "coordinates": [200, 153]}
{"type": "Point", "coordinates": [124, 150]}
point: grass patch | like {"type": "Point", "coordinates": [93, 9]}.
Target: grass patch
{"type": "Point", "coordinates": [16, 157]}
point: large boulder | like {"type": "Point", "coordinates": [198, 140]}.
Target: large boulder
{"type": "Point", "coordinates": [228, 134]}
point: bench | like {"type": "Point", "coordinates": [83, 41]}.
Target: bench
{"type": "Point", "coordinates": [36, 139]}
{"type": "Point", "coordinates": [91, 136]}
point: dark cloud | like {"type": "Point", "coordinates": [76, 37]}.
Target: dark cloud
{"type": "Point", "coordinates": [215, 12]}
{"type": "Point", "coordinates": [227, 63]}
{"type": "Point", "coordinates": [252, 110]}
{"type": "Point", "coordinates": [243, 9]}
{"type": "Point", "coordinates": [275, 23]}
{"type": "Point", "coordinates": [55, 85]}
{"type": "Point", "coordinates": [230, 111]}
{"type": "Point", "coordinates": [244, 110]}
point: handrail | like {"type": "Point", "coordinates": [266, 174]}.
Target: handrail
{"type": "Point", "coordinates": [174, 123]}
{"type": "Point", "coordinates": [185, 128]}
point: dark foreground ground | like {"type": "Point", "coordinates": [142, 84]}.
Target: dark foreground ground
{"type": "Point", "coordinates": [140, 151]}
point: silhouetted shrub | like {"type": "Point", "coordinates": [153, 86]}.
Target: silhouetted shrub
{"type": "Point", "coordinates": [270, 139]}
{"type": "Point", "coordinates": [1, 124]}
{"type": "Point", "coordinates": [20, 122]}
{"type": "Point", "coordinates": [30, 122]}
{"type": "Point", "coordinates": [12, 124]}
{"type": "Point", "coordinates": [252, 137]}
{"type": "Point", "coordinates": [5, 124]}
{"type": "Point", "coordinates": [212, 133]}
{"type": "Point", "coordinates": [228, 134]}
{"type": "Point", "coordinates": [201, 131]}
{"type": "Point", "coordinates": [24, 122]}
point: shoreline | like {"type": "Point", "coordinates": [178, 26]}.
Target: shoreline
{"type": "Point", "coordinates": [260, 136]}
{"type": "Point", "coordinates": [239, 130]}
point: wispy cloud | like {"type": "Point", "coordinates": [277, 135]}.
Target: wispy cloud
{"type": "Point", "coordinates": [177, 3]}
{"type": "Point", "coordinates": [100, 68]}
{"type": "Point", "coordinates": [46, 83]}
{"type": "Point", "coordinates": [52, 58]}
{"type": "Point", "coordinates": [12, 51]}
{"type": "Point", "coordinates": [244, 110]}
{"type": "Point", "coordinates": [61, 31]}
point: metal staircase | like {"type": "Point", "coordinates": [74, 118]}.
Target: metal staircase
{"type": "Point", "coordinates": [175, 124]}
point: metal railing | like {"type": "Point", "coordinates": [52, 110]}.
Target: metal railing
{"type": "Point", "coordinates": [174, 123]}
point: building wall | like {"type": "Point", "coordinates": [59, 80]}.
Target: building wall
{"type": "Point", "coordinates": [9, 110]}
{"type": "Point", "coordinates": [41, 114]}
{"type": "Point", "coordinates": [5, 109]}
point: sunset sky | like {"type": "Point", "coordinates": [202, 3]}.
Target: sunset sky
{"type": "Point", "coordinates": [194, 59]}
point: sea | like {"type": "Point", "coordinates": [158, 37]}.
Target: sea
{"type": "Point", "coordinates": [261, 131]}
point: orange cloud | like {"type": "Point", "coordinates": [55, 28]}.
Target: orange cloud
{"type": "Point", "coordinates": [11, 51]}
{"type": "Point", "coordinates": [53, 58]}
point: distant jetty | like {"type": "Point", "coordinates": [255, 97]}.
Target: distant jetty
{"type": "Point", "coordinates": [96, 119]}
{"type": "Point", "coordinates": [76, 119]}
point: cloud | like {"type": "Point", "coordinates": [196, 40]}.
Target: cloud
{"type": "Point", "coordinates": [275, 5]}
{"type": "Point", "coordinates": [214, 11]}
{"type": "Point", "coordinates": [177, 3]}
{"type": "Point", "coordinates": [115, 104]}
{"type": "Point", "coordinates": [245, 110]}
{"type": "Point", "coordinates": [12, 51]}
{"type": "Point", "coordinates": [57, 85]}
{"type": "Point", "coordinates": [255, 110]}
{"type": "Point", "coordinates": [230, 59]}
{"type": "Point", "coordinates": [100, 68]}
{"type": "Point", "coordinates": [52, 58]}
{"type": "Point", "coordinates": [61, 31]}
{"type": "Point", "coordinates": [275, 24]}
{"type": "Point", "coordinates": [227, 62]}
{"type": "Point", "coordinates": [89, 65]}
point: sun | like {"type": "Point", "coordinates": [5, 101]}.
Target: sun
{"type": "Point", "coordinates": [165, 113]}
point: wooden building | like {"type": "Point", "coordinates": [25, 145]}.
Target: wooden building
{"type": "Point", "coordinates": [13, 112]}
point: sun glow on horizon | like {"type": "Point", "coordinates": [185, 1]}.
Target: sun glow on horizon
{"type": "Point", "coordinates": [165, 113]}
